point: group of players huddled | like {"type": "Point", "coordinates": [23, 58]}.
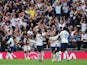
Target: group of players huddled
{"type": "Point", "coordinates": [57, 40]}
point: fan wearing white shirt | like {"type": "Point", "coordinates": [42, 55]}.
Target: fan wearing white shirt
{"type": "Point", "coordinates": [30, 32]}
{"type": "Point", "coordinates": [64, 41]}
{"type": "Point", "coordinates": [83, 25]}
{"type": "Point", "coordinates": [58, 9]}
{"type": "Point", "coordinates": [39, 44]}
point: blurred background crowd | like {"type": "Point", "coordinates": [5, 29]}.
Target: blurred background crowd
{"type": "Point", "coordinates": [19, 18]}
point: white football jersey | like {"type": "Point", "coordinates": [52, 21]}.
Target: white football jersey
{"type": "Point", "coordinates": [39, 40]}
{"type": "Point", "coordinates": [58, 42]}
{"type": "Point", "coordinates": [55, 41]}
{"type": "Point", "coordinates": [32, 42]}
{"type": "Point", "coordinates": [64, 36]}
{"type": "Point", "coordinates": [11, 42]}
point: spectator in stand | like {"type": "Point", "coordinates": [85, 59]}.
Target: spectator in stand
{"type": "Point", "coordinates": [65, 9]}
{"type": "Point", "coordinates": [20, 16]}
{"type": "Point", "coordinates": [83, 25]}
{"type": "Point", "coordinates": [58, 9]}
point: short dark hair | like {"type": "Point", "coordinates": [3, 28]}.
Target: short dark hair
{"type": "Point", "coordinates": [65, 28]}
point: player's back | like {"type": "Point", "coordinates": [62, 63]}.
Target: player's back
{"type": "Point", "coordinates": [39, 40]}
{"type": "Point", "coordinates": [64, 36]}
{"type": "Point", "coordinates": [11, 42]}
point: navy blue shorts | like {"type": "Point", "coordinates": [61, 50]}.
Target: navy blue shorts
{"type": "Point", "coordinates": [9, 49]}
{"type": "Point", "coordinates": [58, 49]}
{"type": "Point", "coordinates": [63, 46]}
{"type": "Point", "coordinates": [53, 49]}
{"type": "Point", "coordinates": [40, 48]}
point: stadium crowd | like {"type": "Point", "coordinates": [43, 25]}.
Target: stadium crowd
{"type": "Point", "coordinates": [20, 19]}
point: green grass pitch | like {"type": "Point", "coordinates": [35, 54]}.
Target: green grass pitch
{"type": "Point", "coordinates": [45, 62]}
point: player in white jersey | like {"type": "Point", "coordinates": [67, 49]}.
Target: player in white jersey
{"type": "Point", "coordinates": [26, 47]}
{"type": "Point", "coordinates": [58, 52]}
{"type": "Point", "coordinates": [39, 44]}
{"type": "Point", "coordinates": [64, 41]}
{"type": "Point", "coordinates": [53, 44]}
{"type": "Point", "coordinates": [10, 48]}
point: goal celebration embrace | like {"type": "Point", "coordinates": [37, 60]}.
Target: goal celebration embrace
{"type": "Point", "coordinates": [43, 31]}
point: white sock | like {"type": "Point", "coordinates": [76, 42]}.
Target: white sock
{"type": "Point", "coordinates": [39, 54]}
{"type": "Point", "coordinates": [10, 55]}
{"type": "Point", "coordinates": [66, 54]}
{"type": "Point", "coordinates": [28, 54]}
{"type": "Point", "coordinates": [13, 55]}
{"type": "Point", "coordinates": [58, 56]}
{"type": "Point", "coordinates": [7, 56]}
{"type": "Point", "coordinates": [53, 57]}
{"type": "Point", "coordinates": [42, 54]}
{"type": "Point", "coordinates": [25, 55]}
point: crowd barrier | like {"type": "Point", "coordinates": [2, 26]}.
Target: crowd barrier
{"type": "Point", "coordinates": [47, 55]}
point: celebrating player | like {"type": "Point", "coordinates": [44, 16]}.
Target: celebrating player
{"type": "Point", "coordinates": [64, 41]}
{"type": "Point", "coordinates": [26, 46]}
{"type": "Point", "coordinates": [10, 48]}
{"type": "Point", "coordinates": [39, 44]}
